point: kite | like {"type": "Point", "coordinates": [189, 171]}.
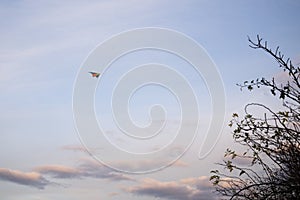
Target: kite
{"type": "Point", "coordinates": [95, 74]}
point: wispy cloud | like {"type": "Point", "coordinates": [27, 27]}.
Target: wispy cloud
{"type": "Point", "coordinates": [113, 194]}
{"type": "Point", "coordinates": [142, 165]}
{"type": "Point", "coordinates": [96, 170]}
{"type": "Point", "coordinates": [185, 189]}
{"type": "Point", "coordinates": [87, 169]}
{"type": "Point", "coordinates": [75, 147]}
{"type": "Point", "coordinates": [59, 171]}
{"type": "Point", "coordinates": [32, 179]}
{"type": "Point", "coordinates": [127, 165]}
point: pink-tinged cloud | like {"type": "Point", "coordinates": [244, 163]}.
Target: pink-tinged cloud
{"type": "Point", "coordinates": [59, 171]}
{"type": "Point", "coordinates": [180, 163]}
{"type": "Point", "coordinates": [184, 189]}
{"type": "Point", "coordinates": [113, 194]}
{"type": "Point", "coordinates": [31, 179]}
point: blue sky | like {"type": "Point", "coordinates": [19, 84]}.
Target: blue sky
{"type": "Point", "coordinates": [43, 45]}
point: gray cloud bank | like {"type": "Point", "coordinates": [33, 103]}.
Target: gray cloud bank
{"type": "Point", "coordinates": [39, 178]}
{"type": "Point", "coordinates": [185, 189]}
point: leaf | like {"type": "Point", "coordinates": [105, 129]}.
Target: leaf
{"type": "Point", "coordinates": [235, 115]}
{"type": "Point", "coordinates": [214, 172]}
{"type": "Point", "coordinates": [216, 179]}
{"type": "Point", "coordinates": [273, 92]}
{"type": "Point", "coordinates": [250, 87]}
{"type": "Point", "coordinates": [253, 161]}
{"type": "Point", "coordinates": [229, 165]}
{"type": "Point", "coordinates": [242, 172]}
{"type": "Point", "coordinates": [282, 95]}
{"type": "Point", "coordinates": [248, 116]}
{"type": "Point", "coordinates": [233, 155]}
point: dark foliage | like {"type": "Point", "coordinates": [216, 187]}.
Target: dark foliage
{"type": "Point", "coordinates": [272, 141]}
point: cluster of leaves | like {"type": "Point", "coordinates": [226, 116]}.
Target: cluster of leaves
{"type": "Point", "coordinates": [272, 142]}
{"type": "Point", "coordinates": [290, 89]}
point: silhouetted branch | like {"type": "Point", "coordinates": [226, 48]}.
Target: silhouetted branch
{"type": "Point", "coordinates": [272, 141]}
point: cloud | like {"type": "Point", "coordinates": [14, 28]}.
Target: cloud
{"type": "Point", "coordinates": [145, 165]}
{"type": "Point", "coordinates": [87, 169]}
{"type": "Point", "coordinates": [79, 148]}
{"type": "Point", "coordinates": [185, 189]}
{"type": "Point", "coordinates": [36, 179]}
{"type": "Point", "coordinates": [180, 163]}
{"type": "Point", "coordinates": [138, 165]}
{"type": "Point", "coordinates": [94, 169]}
{"type": "Point", "coordinates": [113, 194]}
{"type": "Point", "coordinates": [59, 171]}
{"type": "Point", "coordinates": [32, 179]}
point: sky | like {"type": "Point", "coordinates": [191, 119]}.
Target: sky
{"type": "Point", "coordinates": [46, 44]}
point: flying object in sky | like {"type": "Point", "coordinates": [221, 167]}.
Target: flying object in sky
{"type": "Point", "coordinates": [95, 74]}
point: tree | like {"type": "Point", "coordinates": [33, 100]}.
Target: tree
{"type": "Point", "coordinates": [271, 141]}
